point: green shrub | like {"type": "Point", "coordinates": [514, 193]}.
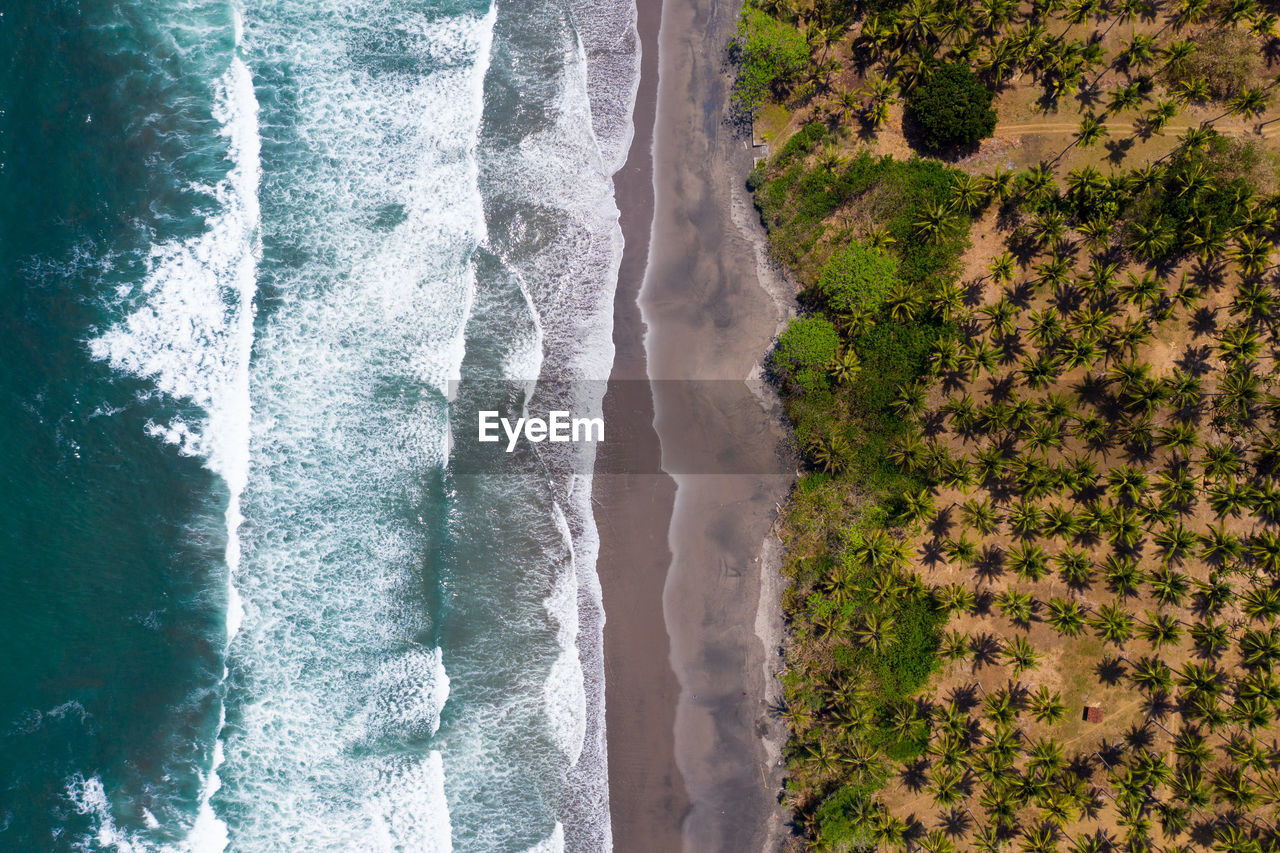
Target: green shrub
{"type": "Point", "coordinates": [805, 350]}
{"type": "Point", "coordinates": [770, 55]}
{"type": "Point", "coordinates": [836, 820]}
{"type": "Point", "coordinates": [905, 664]}
{"type": "Point", "coordinates": [1227, 169]}
{"type": "Point", "coordinates": [952, 109]}
{"type": "Point", "coordinates": [857, 279]}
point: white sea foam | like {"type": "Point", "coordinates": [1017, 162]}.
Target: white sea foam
{"type": "Point", "coordinates": [88, 797]}
{"type": "Point", "coordinates": [376, 215]}
{"type": "Point", "coordinates": [190, 332]}
{"type": "Point", "coordinates": [553, 843]}
{"type": "Point", "coordinates": [611, 48]}
{"type": "Point", "coordinates": [566, 166]}
{"type": "Point", "coordinates": [564, 692]}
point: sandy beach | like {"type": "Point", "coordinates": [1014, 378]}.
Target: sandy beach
{"type": "Point", "coordinates": [633, 513]}
{"type": "Point", "coordinates": [691, 641]}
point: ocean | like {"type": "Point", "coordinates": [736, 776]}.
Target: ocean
{"type": "Point", "coordinates": [255, 258]}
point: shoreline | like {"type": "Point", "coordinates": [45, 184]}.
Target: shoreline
{"type": "Point", "coordinates": [712, 307]}
{"type": "Point", "coordinates": [647, 798]}
{"type": "Point", "coordinates": [689, 565]}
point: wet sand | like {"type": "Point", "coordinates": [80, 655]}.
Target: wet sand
{"type": "Point", "coordinates": [690, 640]}
{"type": "Point", "coordinates": [633, 513]}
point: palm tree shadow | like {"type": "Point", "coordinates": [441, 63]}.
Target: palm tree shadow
{"type": "Point", "coordinates": [952, 381]}
{"type": "Point", "coordinates": [964, 697]}
{"type": "Point", "coordinates": [990, 563]}
{"type": "Point", "coordinates": [941, 524]}
{"type": "Point", "coordinates": [1139, 736]}
{"type": "Point", "coordinates": [1110, 670]}
{"type": "Point", "coordinates": [1118, 149]}
{"type": "Point", "coordinates": [985, 649]}
{"type": "Point", "coordinates": [1011, 349]}
{"type": "Point", "coordinates": [915, 775]}
{"type": "Point", "coordinates": [932, 424]}
{"type": "Point", "coordinates": [1204, 321]}
{"type": "Point", "coordinates": [999, 388]}
{"type": "Point", "coordinates": [1021, 294]}
{"type": "Point", "coordinates": [1159, 706]}
{"type": "Point", "coordinates": [956, 823]}
{"type": "Point", "coordinates": [1195, 360]}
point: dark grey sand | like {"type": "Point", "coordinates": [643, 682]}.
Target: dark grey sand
{"type": "Point", "coordinates": [710, 313]}
{"type": "Point", "coordinates": [633, 513]}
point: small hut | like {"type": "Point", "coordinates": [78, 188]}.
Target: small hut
{"type": "Point", "coordinates": [1092, 714]}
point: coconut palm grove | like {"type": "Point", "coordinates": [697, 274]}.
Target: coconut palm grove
{"type": "Point", "coordinates": [1033, 558]}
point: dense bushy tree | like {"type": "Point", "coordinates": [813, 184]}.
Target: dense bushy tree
{"type": "Point", "coordinates": [857, 279]}
{"type": "Point", "coordinates": [952, 108]}
{"type": "Point", "coordinates": [805, 351]}
{"type": "Point", "coordinates": [770, 56]}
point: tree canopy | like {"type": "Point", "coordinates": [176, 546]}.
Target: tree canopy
{"type": "Point", "coordinates": [805, 350]}
{"type": "Point", "coordinates": [952, 108]}
{"type": "Point", "coordinates": [857, 279]}
{"type": "Point", "coordinates": [770, 55]}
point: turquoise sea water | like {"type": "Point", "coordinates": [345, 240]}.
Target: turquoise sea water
{"type": "Point", "coordinates": [247, 254]}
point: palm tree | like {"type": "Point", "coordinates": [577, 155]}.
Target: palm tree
{"type": "Point", "coordinates": [1219, 545]}
{"type": "Point", "coordinates": [1151, 674]}
{"type": "Point", "coordinates": [1127, 482]}
{"type": "Point", "coordinates": [967, 193]}
{"type": "Point", "coordinates": [937, 841]}
{"type": "Point", "coordinates": [1232, 787]}
{"type": "Point", "coordinates": [830, 452]}
{"type": "Point", "coordinates": [1040, 839]}
{"type": "Point", "coordinates": [907, 451]}
{"type": "Point", "coordinates": [1170, 587]}
{"type": "Point", "coordinates": [1160, 629]}
{"type": "Point", "coordinates": [935, 222]}
{"type": "Point", "coordinates": [1017, 607]}
{"type": "Point", "coordinates": [1215, 593]}
{"type": "Point", "coordinates": [1123, 575]}
{"type": "Point", "coordinates": [1261, 603]}
{"type": "Point", "coordinates": [1252, 253]}
{"type": "Point", "coordinates": [1024, 518]}
{"type": "Point", "coordinates": [904, 303]}
{"type": "Point", "coordinates": [1249, 103]}
{"type": "Point", "coordinates": [1091, 130]}
{"type": "Point", "coordinates": [1113, 623]}
{"type": "Point", "coordinates": [1259, 648]}
{"type": "Point", "coordinates": [1195, 88]}
{"type": "Point", "coordinates": [1176, 53]}
{"type": "Point", "coordinates": [1029, 561]}
{"type": "Point", "coordinates": [1149, 242]}
{"type": "Point", "coordinates": [916, 505]}
{"type": "Point", "coordinates": [955, 597]}
{"type": "Point", "coordinates": [1000, 184]}
{"type": "Point", "coordinates": [1176, 541]}
{"type": "Point", "coordinates": [1002, 268]}
{"type": "Point", "coordinates": [1124, 527]}
{"type": "Point", "coordinates": [954, 646]}
{"type": "Point", "coordinates": [1161, 114]}
{"type": "Point", "coordinates": [980, 515]}
{"type": "Point", "coordinates": [1125, 97]}
{"type": "Point", "coordinates": [846, 366]}
{"type": "Point", "coordinates": [1066, 617]}
{"type": "Point", "coordinates": [1227, 497]}
{"type": "Point", "coordinates": [1046, 706]}
{"type": "Point", "coordinates": [874, 632]}
{"type": "Point", "coordinates": [1139, 52]}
